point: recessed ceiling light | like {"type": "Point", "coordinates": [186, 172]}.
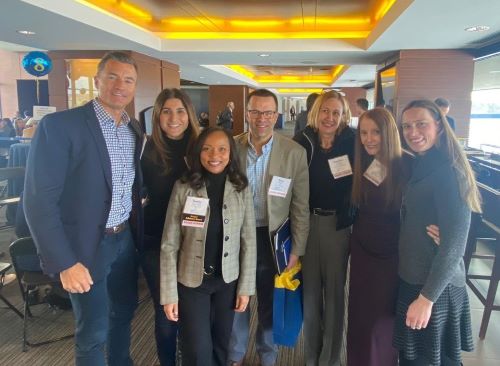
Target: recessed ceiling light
{"type": "Point", "coordinates": [264, 55]}
{"type": "Point", "coordinates": [477, 28]}
{"type": "Point", "coordinates": [26, 32]}
{"type": "Point", "coordinates": [202, 77]}
{"type": "Point", "coordinates": [495, 72]}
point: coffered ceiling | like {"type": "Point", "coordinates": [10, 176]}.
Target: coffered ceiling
{"type": "Point", "coordinates": [276, 44]}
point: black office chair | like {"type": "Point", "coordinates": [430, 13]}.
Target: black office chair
{"type": "Point", "coordinates": [5, 280]}
{"type": "Point", "coordinates": [31, 281]}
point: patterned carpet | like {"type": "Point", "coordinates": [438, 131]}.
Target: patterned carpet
{"type": "Point", "coordinates": [47, 324]}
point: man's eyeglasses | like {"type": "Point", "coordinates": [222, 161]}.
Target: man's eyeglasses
{"type": "Point", "coordinates": [256, 114]}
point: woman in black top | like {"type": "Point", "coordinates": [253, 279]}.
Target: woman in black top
{"type": "Point", "coordinates": [208, 253]}
{"type": "Point", "coordinates": [175, 128]}
{"type": "Point", "coordinates": [330, 147]}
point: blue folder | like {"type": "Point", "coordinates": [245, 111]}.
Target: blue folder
{"type": "Point", "coordinates": [282, 245]}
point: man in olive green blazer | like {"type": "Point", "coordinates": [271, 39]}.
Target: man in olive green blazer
{"type": "Point", "coordinates": [278, 174]}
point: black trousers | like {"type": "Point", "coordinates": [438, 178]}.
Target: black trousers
{"type": "Point", "coordinates": [206, 316]}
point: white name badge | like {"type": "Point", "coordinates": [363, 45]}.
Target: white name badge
{"type": "Point", "coordinates": [195, 211]}
{"type": "Point", "coordinates": [376, 172]}
{"type": "Point", "coordinates": [340, 167]}
{"type": "Point", "coordinates": [279, 186]}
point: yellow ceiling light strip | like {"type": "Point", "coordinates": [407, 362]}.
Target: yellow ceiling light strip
{"type": "Point", "coordinates": [256, 23]}
{"type": "Point", "coordinates": [289, 79]}
{"type": "Point", "coordinates": [241, 70]}
{"type": "Point", "coordinates": [389, 73]}
{"type": "Point", "coordinates": [383, 8]}
{"type": "Point", "coordinates": [208, 27]}
{"type": "Point", "coordinates": [135, 10]}
{"type": "Point", "coordinates": [299, 90]}
{"type": "Point", "coordinates": [264, 35]}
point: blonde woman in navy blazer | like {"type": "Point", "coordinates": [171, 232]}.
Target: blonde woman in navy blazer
{"type": "Point", "coordinates": [208, 272]}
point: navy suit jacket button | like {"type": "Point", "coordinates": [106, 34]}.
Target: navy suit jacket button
{"type": "Point", "coordinates": [226, 221]}
{"type": "Point", "coordinates": [226, 254]}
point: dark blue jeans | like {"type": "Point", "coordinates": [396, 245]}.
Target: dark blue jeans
{"type": "Point", "coordinates": [165, 330]}
{"type": "Point", "coordinates": [103, 315]}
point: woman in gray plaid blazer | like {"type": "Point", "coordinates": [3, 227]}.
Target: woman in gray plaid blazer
{"type": "Point", "coordinates": [208, 253]}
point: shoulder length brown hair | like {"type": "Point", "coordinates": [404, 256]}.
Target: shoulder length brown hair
{"type": "Point", "coordinates": [447, 142]}
{"type": "Point", "coordinates": [312, 117]}
{"type": "Point", "coordinates": [390, 156]}
{"type": "Point", "coordinates": [162, 153]}
{"type": "Point", "coordinates": [195, 176]}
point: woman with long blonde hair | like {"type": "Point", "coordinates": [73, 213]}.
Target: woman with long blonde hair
{"type": "Point", "coordinates": [329, 143]}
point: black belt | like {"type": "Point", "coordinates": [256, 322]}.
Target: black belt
{"type": "Point", "coordinates": [323, 212]}
{"type": "Point", "coordinates": [116, 229]}
{"type": "Point", "coordinates": [209, 271]}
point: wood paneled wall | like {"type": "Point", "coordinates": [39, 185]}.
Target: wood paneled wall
{"type": "Point", "coordinates": [353, 94]}
{"type": "Point", "coordinates": [220, 95]}
{"type": "Point", "coordinates": [436, 73]}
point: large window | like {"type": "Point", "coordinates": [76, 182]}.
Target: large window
{"type": "Point", "coordinates": [484, 130]}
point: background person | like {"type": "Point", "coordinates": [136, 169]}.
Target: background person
{"type": "Point", "coordinates": [301, 121]}
{"type": "Point", "coordinates": [433, 324]}
{"type": "Point", "coordinates": [329, 143]}
{"type": "Point", "coordinates": [208, 272]}
{"type": "Point", "coordinates": [175, 130]}
{"type": "Point", "coordinates": [444, 105]}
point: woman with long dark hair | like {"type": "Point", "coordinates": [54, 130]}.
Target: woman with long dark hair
{"type": "Point", "coordinates": [208, 252]}
{"type": "Point", "coordinates": [175, 128]}
{"type": "Point", "coordinates": [379, 177]}
{"type": "Point", "coordinates": [432, 323]}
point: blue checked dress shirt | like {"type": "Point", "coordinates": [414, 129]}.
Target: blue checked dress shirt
{"type": "Point", "coordinates": [120, 142]}
{"type": "Point", "coordinates": [256, 173]}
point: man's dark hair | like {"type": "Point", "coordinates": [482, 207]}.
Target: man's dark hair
{"type": "Point", "coordinates": [362, 103]}
{"type": "Point", "coordinates": [119, 56]}
{"type": "Point", "coordinates": [442, 102]}
{"type": "Point", "coordinates": [311, 98]}
{"type": "Point", "coordinates": [262, 93]}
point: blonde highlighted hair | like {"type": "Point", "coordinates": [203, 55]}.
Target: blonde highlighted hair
{"type": "Point", "coordinates": [313, 116]}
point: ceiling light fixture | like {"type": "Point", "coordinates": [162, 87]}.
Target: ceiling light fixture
{"type": "Point", "coordinates": [477, 28]}
{"type": "Point", "coordinates": [26, 32]}
{"type": "Point", "coordinates": [264, 55]}
{"type": "Point", "coordinates": [202, 77]}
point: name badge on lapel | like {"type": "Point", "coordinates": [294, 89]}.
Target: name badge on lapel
{"type": "Point", "coordinates": [340, 167]}
{"type": "Point", "coordinates": [195, 211]}
{"type": "Point", "coordinates": [376, 172]}
{"type": "Point", "coordinates": [279, 186]}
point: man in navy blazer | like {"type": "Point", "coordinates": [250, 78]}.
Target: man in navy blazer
{"type": "Point", "coordinates": [81, 199]}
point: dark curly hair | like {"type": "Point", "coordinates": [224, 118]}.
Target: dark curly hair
{"type": "Point", "coordinates": [196, 173]}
